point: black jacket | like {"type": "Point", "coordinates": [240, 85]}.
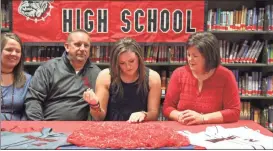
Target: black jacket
{"type": "Point", "coordinates": [55, 92]}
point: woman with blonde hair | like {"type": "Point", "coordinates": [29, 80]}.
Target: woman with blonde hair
{"type": "Point", "coordinates": [14, 81]}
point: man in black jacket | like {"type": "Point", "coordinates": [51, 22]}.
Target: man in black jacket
{"type": "Point", "coordinates": [56, 89]}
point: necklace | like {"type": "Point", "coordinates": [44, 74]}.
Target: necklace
{"type": "Point", "coordinates": [12, 100]}
{"type": "Point", "coordinates": [6, 72]}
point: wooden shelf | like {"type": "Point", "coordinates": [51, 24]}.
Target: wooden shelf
{"type": "Point", "coordinates": [257, 97]}
{"type": "Point", "coordinates": [244, 64]}
{"type": "Point", "coordinates": [102, 64]}
{"type": "Point", "coordinates": [173, 64]}
{"type": "Point", "coordinates": [104, 43]}
{"type": "Point", "coordinates": [107, 64]}
{"type": "Point", "coordinates": [147, 64]}
{"type": "Point", "coordinates": [61, 44]}
{"type": "Point", "coordinates": [241, 32]}
{"type": "Point", "coordinates": [33, 63]}
{"type": "Point", "coordinates": [39, 63]}
{"type": "Point", "coordinates": [165, 64]}
{"type": "Point", "coordinates": [182, 64]}
{"type": "Point", "coordinates": [56, 44]}
{"type": "Point", "coordinates": [247, 97]}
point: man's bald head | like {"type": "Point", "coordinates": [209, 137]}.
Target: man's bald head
{"type": "Point", "coordinates": [69, 38]}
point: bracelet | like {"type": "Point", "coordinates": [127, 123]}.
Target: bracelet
{"type": "Point", "coordinates": [98, 109]}
{"type": "Point", "coordinates": [203, 120]}
{"type": "Point", "coordinates": [145, 113]}
{"type": "Point", "coordinates": [95, 105]}
{"type": "Point", "coordinates": [180, 114]}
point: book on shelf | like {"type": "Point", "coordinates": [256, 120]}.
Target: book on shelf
{"type": "Point", "coordinates": [152, 54]}
{"type": "Point", "coordinates": [163, 76]}
{"type": "Point", "coordinates": [243, 19]}
{"type": "Point", "coordinates": [42, 53]}
{"type": "Point", "coordinates": [161, 117]}
{"type": "Point", "coordinates": [232, 52]}
{"type": "Point", "coordinates": [100, 54]}
{"type": "Point", "coordinates": [253, 83]}
{"type": "Point", "coordinates": [269, 87]}
{"type": "Point", "coordinates": [270, 53]}
{"type": "Point", "coordinates": [178, 54]}
{"type": "Point", "coordinates": [270, 117]}
{"type": "Point", "coordinates": [5, 16]}
{"type": "Point", "coordinates": [261, 116]}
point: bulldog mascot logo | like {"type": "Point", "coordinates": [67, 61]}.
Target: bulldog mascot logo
{"type": "Point", "coordinates": [35, 10]}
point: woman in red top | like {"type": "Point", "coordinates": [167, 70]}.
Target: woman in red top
{"type": "Point", "coordinates": [203, 91]}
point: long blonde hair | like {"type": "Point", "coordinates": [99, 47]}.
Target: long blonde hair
{"type": "Point", "coordinates": [18, 71]}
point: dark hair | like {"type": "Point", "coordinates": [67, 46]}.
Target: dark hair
{"type": "Point", "coordinates": [75, 31]}
{"type": "Point", "coordinates": [18, 71]}
{"type": "Point", "coordinates": [121, 46]}
{"type": "Point", "coordinates": [208, 46]}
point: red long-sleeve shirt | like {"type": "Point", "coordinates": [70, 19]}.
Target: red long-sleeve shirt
{"type": "Point", "coordinates": [219, 93]}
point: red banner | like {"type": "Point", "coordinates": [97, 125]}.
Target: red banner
{"type": "Point", "coordinates": [107, 21]}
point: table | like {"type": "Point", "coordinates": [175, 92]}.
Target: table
{"type": "Point", "coordinates": [70, 126]}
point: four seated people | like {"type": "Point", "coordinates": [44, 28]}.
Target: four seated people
{"type": "Point", "coordinates": [71, 87]}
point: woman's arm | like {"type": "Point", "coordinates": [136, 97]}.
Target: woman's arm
{"type": "Point", "coordinates": [153, 96]}
{"type": "Point", "coordinates": [231, 100]}
{"type": "Point", "coordinates": [101, 95]}
{"type": "Point", "coordinates": [231, 103]}
{"type": "Point", "coordinates": [172, 97]}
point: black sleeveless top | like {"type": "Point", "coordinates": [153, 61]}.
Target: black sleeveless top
{"type": "Point", "coordinates": [120, 109]}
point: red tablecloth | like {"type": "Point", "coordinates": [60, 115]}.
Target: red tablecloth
{"type": "Point", "coordinates": [70, 126]}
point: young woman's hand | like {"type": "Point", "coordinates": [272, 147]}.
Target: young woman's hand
{"type": "Point", "coordinates": [90, 97]}
{"type": "Point", "coordinates": [137, 117]}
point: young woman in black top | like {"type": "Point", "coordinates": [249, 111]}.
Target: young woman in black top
{"type": "Point", "coordinates": [128, 90]}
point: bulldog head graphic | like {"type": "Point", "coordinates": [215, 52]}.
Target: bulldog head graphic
{"type": "Point", "coordinates": [35, 10]}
